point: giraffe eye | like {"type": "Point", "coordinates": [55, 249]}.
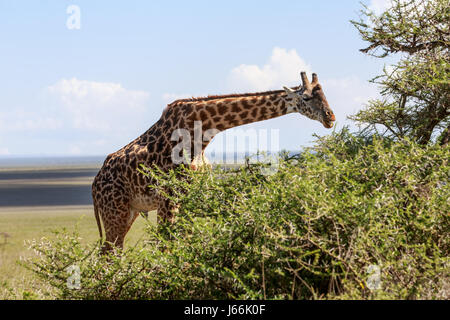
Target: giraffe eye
{"type": "Point", "coordinates": [307, 98]}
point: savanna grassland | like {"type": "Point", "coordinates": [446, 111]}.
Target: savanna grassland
{"type": "Point", "coordinates": [35, 202]}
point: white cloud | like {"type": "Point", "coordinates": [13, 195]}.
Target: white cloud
{"type": "Point", "coordinates": [98, 106]}
{"type": "Point", "coordinates": [78, 117]}
{"type": "Point", "coordinates": [282, 69]}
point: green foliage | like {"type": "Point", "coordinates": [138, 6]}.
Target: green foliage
{"type": "Point", "coordinates": [311, 230]}
{"type": "Point", "coordinates": [415, 90]}
{"type": "Point", "coordinates": [406, 26]}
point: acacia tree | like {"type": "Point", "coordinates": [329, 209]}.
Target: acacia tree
{"type": "Point", "coordinates": [415, 92]}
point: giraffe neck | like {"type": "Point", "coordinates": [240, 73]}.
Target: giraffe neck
{"type": "Point", "coordinates": [205, 117]}
{"type": "Point", "coordinates": [216, 114]}
{"type": "Point", "coordinates": [232, 111]}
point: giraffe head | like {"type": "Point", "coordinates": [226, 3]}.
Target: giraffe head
{"type": "Point", "coordinates": [310, 101]}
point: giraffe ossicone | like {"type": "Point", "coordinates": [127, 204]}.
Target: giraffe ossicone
{"type": "Point", "coordinates": [120, 192]}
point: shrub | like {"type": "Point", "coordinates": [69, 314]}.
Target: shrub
{"type": "Point", "coordinates": [315, 229]}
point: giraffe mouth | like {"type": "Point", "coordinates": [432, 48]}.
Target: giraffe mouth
{"type": "Point", "coordinates": [328, 124]}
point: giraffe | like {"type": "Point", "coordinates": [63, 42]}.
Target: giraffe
{"type": "Point", "coordinates": [120, 192]}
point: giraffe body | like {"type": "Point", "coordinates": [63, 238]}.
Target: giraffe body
{"type": "Point", "coordinates": [120, 192]}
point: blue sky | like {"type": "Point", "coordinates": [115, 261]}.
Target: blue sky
{"type": "Point", "coordinates": [90, 91]}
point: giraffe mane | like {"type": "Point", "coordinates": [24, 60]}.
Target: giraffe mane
{"type": "Point", "coordinates": [232, 95]}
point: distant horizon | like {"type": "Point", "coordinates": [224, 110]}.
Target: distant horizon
{"type": "Point", "coordinates": [14, 161]}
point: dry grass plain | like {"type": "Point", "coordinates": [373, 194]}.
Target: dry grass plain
{"type": "Point", "coordinates": [33, 204]}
